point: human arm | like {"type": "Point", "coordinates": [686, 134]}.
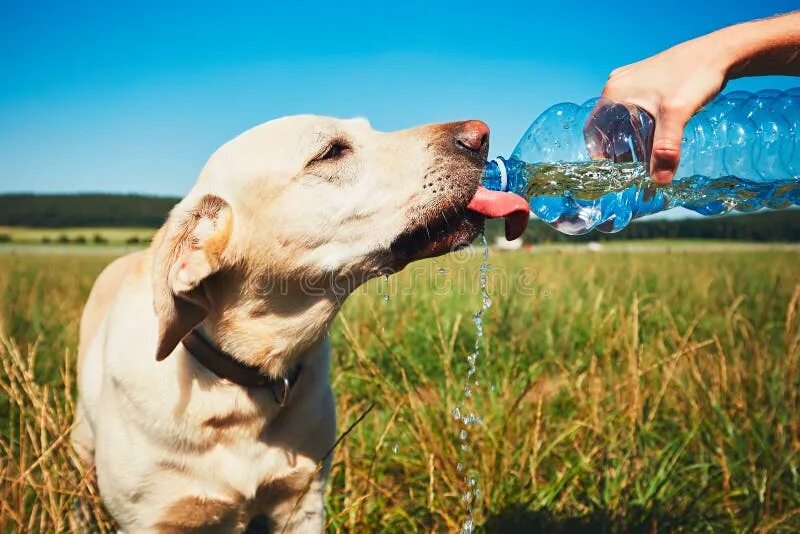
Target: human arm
{"type": "Point", "coordinates": [674, 84]}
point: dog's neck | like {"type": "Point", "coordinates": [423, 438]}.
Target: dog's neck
{"type": "Point", "coordinates": [272, 331]}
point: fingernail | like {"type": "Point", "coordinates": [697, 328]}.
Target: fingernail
{"type": "Point", "coordinates": [663, 170]}
{"type": "Point", "coordinates": [662, 176]}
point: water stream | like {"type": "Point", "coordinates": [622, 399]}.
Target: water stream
{"type": "Point", "coordinates": [464, 411]}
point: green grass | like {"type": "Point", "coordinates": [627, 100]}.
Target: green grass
{"type": "Point", "coordinates": [619, 392]}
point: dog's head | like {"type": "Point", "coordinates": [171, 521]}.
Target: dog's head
{"type": "Point", "coordinates": [292, 215]}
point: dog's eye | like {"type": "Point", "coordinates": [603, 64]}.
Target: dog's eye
{"type": "Point", "coordinates": [335, 150]}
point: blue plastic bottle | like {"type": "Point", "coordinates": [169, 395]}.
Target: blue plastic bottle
{"type": "Point", "coordinates": [585, 167]}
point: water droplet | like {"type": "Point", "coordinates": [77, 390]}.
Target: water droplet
{"type": "Point", "coordinates": [456, 413]}
{"type": "Point", "coordinates": [472, 419]}
{"type": "Point", "coordinates": [459, 467]}
{"type": "Point", "coordinates": [487, 302]}
{"type": "Point", "coordinates": [395, 448]}
{"type": "Point", "coordinates": [463, 435]}
{"type": "Point", "coordinates": [473, 481]}
{"type": "Point", "coordinates": [469, 526]}
{"type": "Point", "coordinates": [466, 496]}
{"type": "Point", "coordinates": [442, 271]}
{"type": "Point", "coordinates": [386, 298]}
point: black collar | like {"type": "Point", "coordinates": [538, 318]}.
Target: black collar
{"type": "Point", "coordinates": [226, 366]}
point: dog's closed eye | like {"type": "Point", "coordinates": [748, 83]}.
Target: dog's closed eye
{"type": "Point", "coordinates": [331, 163]}
{"type": "Point", "coordinates": [333, 151]}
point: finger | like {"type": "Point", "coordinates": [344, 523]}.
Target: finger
{"type": "Point", "coordinates": [594, 130]}
{"type": "Point", "coordinates": [608, 131]}
{"type": "Point", "coordinates": [666, 153]}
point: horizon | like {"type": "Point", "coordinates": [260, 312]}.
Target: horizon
{"type": "Point", "coordinates": [134, 99]}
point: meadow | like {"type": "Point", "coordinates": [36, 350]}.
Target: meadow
{"type": "Point", "coordinates": [628, 390]}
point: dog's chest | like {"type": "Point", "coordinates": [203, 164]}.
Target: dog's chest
{"type": "Point", "coordinates": [253, 472]}
{"type": "Point", "coordinates": [244, 466]}
{"type": "Point", "coordinates": [234, 483]}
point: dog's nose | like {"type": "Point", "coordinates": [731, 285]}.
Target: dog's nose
{"type": "Point", "coordinates": [472, 135]}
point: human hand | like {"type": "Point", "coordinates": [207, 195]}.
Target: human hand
{"type": "Point", "coordinates": [671, 86]}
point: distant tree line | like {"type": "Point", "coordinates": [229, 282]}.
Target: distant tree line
{"type": "Point", "coordinates": [56, 211]}
{"type": "Point", "coordinates": [81, 210]}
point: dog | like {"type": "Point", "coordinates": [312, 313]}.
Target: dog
{"type": "Point", "coordinates": [204, 398]}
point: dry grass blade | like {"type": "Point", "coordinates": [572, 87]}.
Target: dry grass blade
{"type": "Point", "coordinates": [43, 490]}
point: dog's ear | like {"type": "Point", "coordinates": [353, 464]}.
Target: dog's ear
{"type": "Point", "coordinates": [187, 250]}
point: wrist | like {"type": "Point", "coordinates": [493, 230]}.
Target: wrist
{"type": "Point", "coordinates": [733, 46]}
{"type": "Point", "coordinates": [759, 47]}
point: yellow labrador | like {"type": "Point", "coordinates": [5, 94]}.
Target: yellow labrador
{"type": "Point", "coordinates": [203, 370]}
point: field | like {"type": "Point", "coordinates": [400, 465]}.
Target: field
{"type": "Point", "coordinates": [627, 391]}
{"type": "Point", "coordinates": [76, 236]}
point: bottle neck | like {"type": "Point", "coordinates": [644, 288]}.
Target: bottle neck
{"type": "Point", "coordinates": [505, 175]}
{"type": "Point", "coordinates": [495, 175]}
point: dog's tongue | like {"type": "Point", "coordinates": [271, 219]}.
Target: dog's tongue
{"type": "Point", "coordinates": [493, 204]}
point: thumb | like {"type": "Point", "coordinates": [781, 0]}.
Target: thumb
{"type": "Point", "coordinates": [666, 153]}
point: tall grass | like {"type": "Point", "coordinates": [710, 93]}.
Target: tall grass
{"type": "Point", "coordinates": [619, 392]}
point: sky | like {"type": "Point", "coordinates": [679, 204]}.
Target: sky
{"type": "Point", "coordinates": [135, 96]}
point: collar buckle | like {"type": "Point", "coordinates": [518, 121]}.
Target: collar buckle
{"type": "Point", "coordinates": [286, 387]}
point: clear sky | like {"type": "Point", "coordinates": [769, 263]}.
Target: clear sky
{"type": "Point", "coordinates": [134, 96]}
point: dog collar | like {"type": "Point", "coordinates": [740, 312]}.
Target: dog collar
{"type": "Point", "coordinates": [229, 368]}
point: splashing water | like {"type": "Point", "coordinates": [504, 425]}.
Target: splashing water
{"type": "Point", "coordinates": [461, 413]}
{"type": "Point", "coordinates": [385, 296]}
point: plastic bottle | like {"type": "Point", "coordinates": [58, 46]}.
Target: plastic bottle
{"type": "Point", "coordinates": [585, 167]}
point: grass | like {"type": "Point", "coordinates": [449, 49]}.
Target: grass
{"type": "Point", "coordinates": [619, 392]}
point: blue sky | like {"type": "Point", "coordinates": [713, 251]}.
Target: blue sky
{"type": "Point", "coordinates": [134, 96]}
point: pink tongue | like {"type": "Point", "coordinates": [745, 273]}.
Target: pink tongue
{"type": "Point", "coordinates": [493, 204]}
